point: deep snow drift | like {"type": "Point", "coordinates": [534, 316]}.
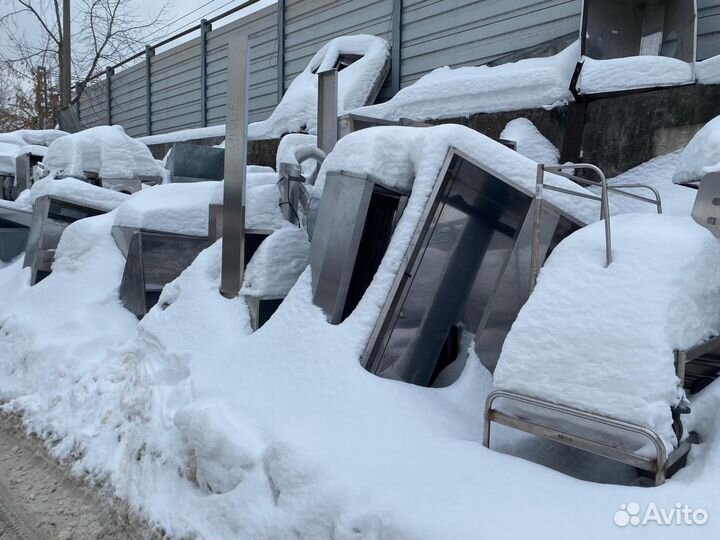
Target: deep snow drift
{"type": "Point", "coordinates": [212, 430]}
{"type": "Point", "coordinates": [449, 93]}
{"type": "Point", "coordinates": [633, 72]}
{"type": "Point", "coordinates": [602, 339]}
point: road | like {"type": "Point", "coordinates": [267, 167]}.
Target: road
{"type": "Point", "coordinates": [39, 501]}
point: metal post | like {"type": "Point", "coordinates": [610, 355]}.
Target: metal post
{"type": "Point", "coordinates": [281, 50]}
{"type": "Point", "coordinates": [205, 27]}
{"type": "Point", "coordinates": [65, 64]}
{"type": "Point", "coordinates": [79, 89]}
{"type": "Point", "coordinates": [109, 72]}
{"type": "Point", "coordinates": [149, 53]}
{"type": "Point", "coordinates": [327, 125]}
{"type": "Point", "coordinates": [233, 246]}
{"type": "Point", "coordinates": [396, 45]}
{"type": "Point", "coordinates": [537, 218]}
{"type": "Point", "coordinates": [605, 215]}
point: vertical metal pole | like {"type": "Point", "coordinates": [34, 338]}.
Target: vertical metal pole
{"type": "Point", "coordinates": [233, 246]}
{"type": "Point", "coordinates": [537, 219]}
{"type": "Point", "coordinates": [108, 93]}
{"type": "Point", "coordinates": [79, 88]}
{"type": "Point", "coordinates": [65, 64]}
{"type": "Point", "coordinates": [281, 50]}
{"type": "Point", "coordinates": [396, 45]}
{"type": "Point", "coordinates": [327, 125]}
{"type": "Point", "coordinates": [605, 214]}
{"type": "Point", "coordinates": [149, 53]}
{"type": "Point", "coordinates": [205, 27]}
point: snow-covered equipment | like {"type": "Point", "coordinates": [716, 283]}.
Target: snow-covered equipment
{"type": "Point", "coordinates": [355, 220]}
{"type": "Point", "coordinates": [706, 210]}
{"type": "Point", "coordinates": [362, 63]}
{"type": "Point", "coordinates": [103, 156]}
{"type": "Point", "coordinates": [622, 28]}
{"type": "Point", "coordinates": [50, 217]}
{"type": "Point", "coordinates": [466, 272]}
{"type": "Point", "coordinates": [25, 163]}
{"type": "Point", "coordinates": [14, 229]}
{"type": "Point", "coordinates": [189, 162]}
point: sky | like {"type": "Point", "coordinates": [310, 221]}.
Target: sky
{"type": "Point", "coordinates": [180, 15]}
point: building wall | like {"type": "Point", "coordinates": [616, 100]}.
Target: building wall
{"type": "Point", "coordinates": [432, 33]}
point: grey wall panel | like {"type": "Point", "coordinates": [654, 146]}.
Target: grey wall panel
{"type": "Point", "coordinates": [474, 32]}
{"type": "Point", "coordinates": [262, 30]}
{"type": "Point", "coordinates": [93, 105]}
{"type": "Point", "coordinates": [309, 24]}
{"type": "Point", "coordinates": [175, 88]}
{"type": "Point", "coordinates": [708, 29]}
{"type": "Point", "coordinates": [128, 99]}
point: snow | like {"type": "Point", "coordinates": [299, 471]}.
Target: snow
{"type": "Point", "coordinates": [657, 173]}
{"type": "Point", "coordinates": [8, 153]}
{"type": "Point", "coordinates": [292, 143]}
{"type": "Point", "coordinates": [176, 208]}
{"type": "Point", "coordinates": [395, 155]}
{"type": "Point", "coordinates": [74, 190]}
{"type": "Point", "coordinates": [602, 339]}
{"type": "Point", "coordinates": [297, 111]}
{"type": "Point", "coordinates": [708, 70]}
{"type": "Point", "coordinates": [212, 431]}
{"type": "Point", "coordinates": [105, 150]}
{"type": "Point", "coordinates": [701, 155]}
{"type": "Point", "coordinates": [184, 135]}
{"type": "Point", "coordinates": [448, 93]}
{"type": "Point", "coordinates": [277, 264]}
{"type": "Point", "coordinates": [530, 142]}
{"type": "Point", "coordinates": [633, 72]}
{"type": "Point", "coordinates": [23, 137]}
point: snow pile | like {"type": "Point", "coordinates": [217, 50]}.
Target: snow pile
{"type": "Point", "coordinates": [262, 197]}
{"type": "Point", "coordinates": [8, 153]}
{"type": "Point", "coordinates": [701, 155]}
{"type": "Point", "coordinates": [184, 135]}
{"type": "Point", "coordinates": [708, 71]}
{"type": "Point", "coordinates": [449, 93]}
{"type": "Point", "coordinates": [277, 264]}
{"type": "Point", "coordinates": [602, 339]}
{"type": "Point", "coordinates": [632, 72]}
{"type": "Point", "coordinates": [105, 150]}
{"type": "Point", "coordinates": [297, 111]}
{"type": "Point", "coordinates": [177, 208]}
{"type": "Point", "coordinates": [394, 155]}
{"type": "Point", "coordinates": [216, 432]}
{"type": "Point", "coordinates": [530, 142]}
{"type": "Point", "coordinates": [292, 143]}
{"type": "Point", "coordinates": [657, 173]}
{"type": "Point", "coordinates": [74, 190]}
{"type": "Point", "coordinates": [40, 137]}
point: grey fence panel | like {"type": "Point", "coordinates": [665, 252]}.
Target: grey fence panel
{"type": "Point", "coordinates": [175, 88]}
{"type": "Point", "coordinates": [708, 29]}
{"type": "Point", "coordinates": [474, 32]}
{"type": "Point", "coordinates": [93, 105]}
{"type": "Point", "coordinates": [433, 33]}
{"type": "Point", "coordinates": [128, 100]}
{"type": "Point", "coordinates": [262, 30]}
{"type": "Point", "coordinates": [309, 24]}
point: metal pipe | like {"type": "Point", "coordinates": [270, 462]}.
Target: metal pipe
{"type": "Point", "coordinates": [108, 93]}
{"type": "Point", "coordinates": [311, 152]}
{"type": "Point", "coordinates": [233, 246]}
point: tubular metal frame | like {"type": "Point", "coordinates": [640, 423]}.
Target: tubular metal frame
{"type": "Point", "coordinates": [560, 170]}
{"type": "Point", "coordinates": [658, 465]}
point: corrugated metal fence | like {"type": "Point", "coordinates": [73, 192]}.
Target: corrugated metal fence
{"type": "Point", "coordinates": [184, 87]}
